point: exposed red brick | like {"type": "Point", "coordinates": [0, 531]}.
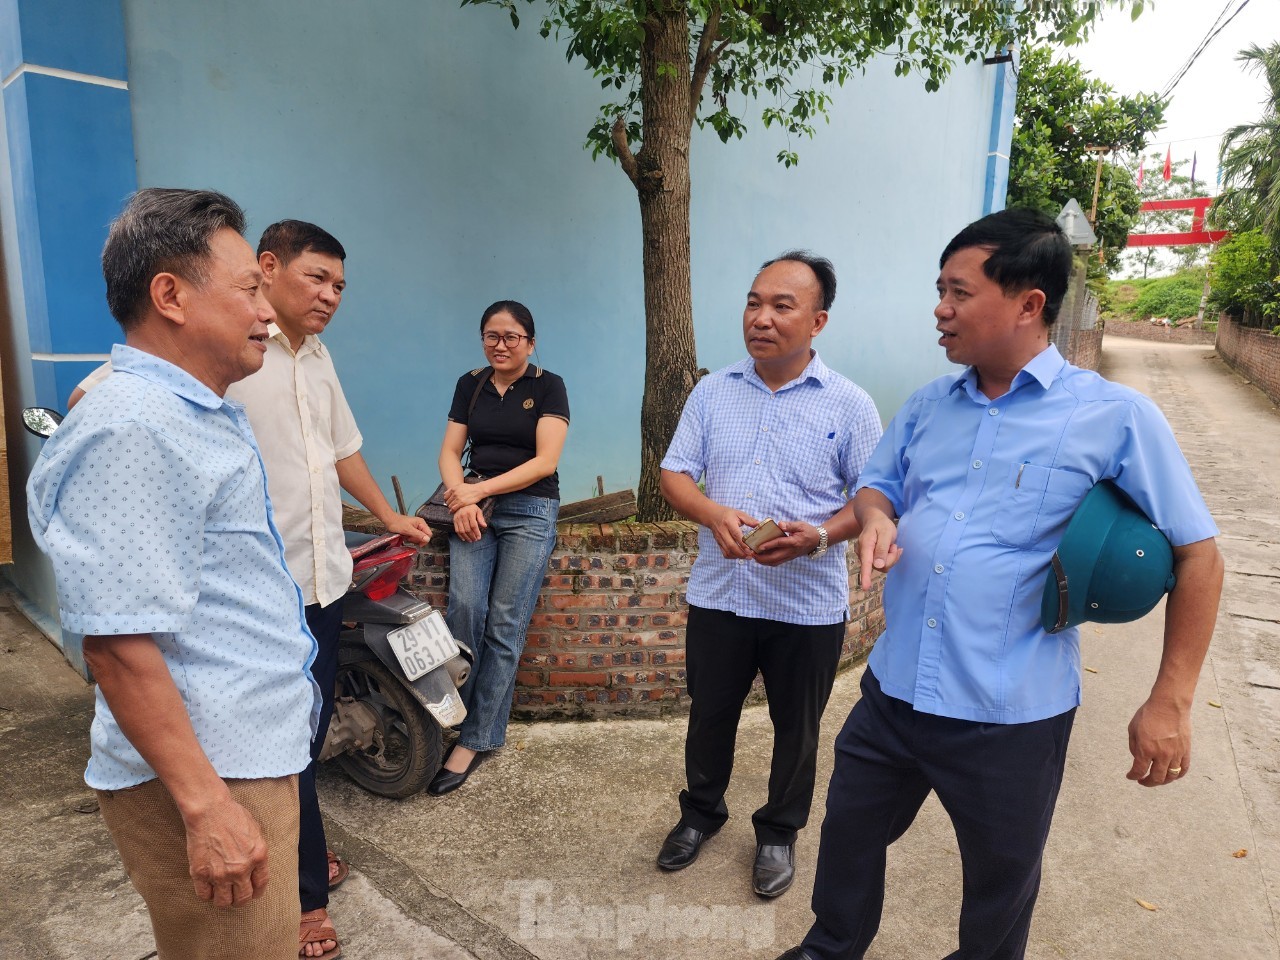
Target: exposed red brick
{"type": "Point", "coordinates": [1144, 330]}
{"type": "Point", "coordinates": [577, 679]}
{"type": "Point", "coordinates": [565, 620]}
{"type": "Point", "coordinates": [607, 634]}
{"type": "Point", "coordinates": [567, 601]}
{"type": "Point", "coordinates": [1252, 353]}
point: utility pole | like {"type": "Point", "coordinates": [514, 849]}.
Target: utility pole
{"type": "Point", "coordinates": [1097, 182]}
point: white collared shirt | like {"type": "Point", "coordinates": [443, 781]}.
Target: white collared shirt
{"type": "Point", "coordinates": [304, 427]}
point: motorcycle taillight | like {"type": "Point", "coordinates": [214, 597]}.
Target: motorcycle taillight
{"type": "Point", "coordinates": [378, 574]}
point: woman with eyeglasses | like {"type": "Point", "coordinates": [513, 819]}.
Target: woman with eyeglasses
{"type": "Point", "coordinates": [514, 428]}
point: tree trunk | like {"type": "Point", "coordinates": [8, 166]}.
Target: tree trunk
{"type": "Point", "coordinates": [661, 177]}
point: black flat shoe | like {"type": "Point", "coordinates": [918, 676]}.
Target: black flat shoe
{"type": "Point", "coordinates": [446, 781]}
{"type": "Point", "coordinates": [774, 869]}
{"type": "Point", "coordinates": [681, 846]}
{"type": "Point", "coordinates": [795, 953]}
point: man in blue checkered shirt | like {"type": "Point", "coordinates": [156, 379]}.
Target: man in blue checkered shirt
{"type": "Point", "coordinates": [776, 436]}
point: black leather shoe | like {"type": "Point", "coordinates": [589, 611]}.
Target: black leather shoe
{"type": "Point", "coordinates": [795, 953]}
{"type": "Point", "coordinates": [774, 870]}
{"type": "Point", "coordinates": [681, 846]}
{"type": "Point", "coordinates": [446, 781]}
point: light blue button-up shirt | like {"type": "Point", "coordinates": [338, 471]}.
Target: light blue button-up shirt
{"type": "Point", "coordinates": [793, 454]}
{"type": "Point", "coordinates": [151, 502]}
{"type": "Point", "coordinates": [984, 489]}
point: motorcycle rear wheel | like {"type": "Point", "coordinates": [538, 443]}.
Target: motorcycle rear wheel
{"type": "Point", "coordinates": [409, 749]}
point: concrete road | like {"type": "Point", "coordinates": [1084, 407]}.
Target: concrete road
{"type": "Point", "coordinates": [548, 851]}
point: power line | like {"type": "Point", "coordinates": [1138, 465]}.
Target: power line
{"type": "Point", "coordinates": [1201, 47]}
{"type": "Point", "coordinates": [1214, 29]}
{"type": "Point", "coordinates": [1171, 82]}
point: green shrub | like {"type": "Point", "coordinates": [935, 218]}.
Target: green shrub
{"type": "Point", "coordinates": [1176, 297]}
{"type": "Point", "coordinates": [1117, 302]}
{"type": "Point", "coordinates": [1243, 274]}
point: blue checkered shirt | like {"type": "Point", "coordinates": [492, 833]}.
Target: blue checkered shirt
{"type": "Point", "coordinates": [793, 454]}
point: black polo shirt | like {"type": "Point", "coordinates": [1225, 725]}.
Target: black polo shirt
{"type": "Point", "coordinates": [503, 428]}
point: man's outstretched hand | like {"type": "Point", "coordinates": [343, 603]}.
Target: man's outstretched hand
{"type": "Point", "coordinates": [878, 548]}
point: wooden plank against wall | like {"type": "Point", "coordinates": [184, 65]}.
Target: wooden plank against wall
{"type": "Point", "coordinates": [610, 507]}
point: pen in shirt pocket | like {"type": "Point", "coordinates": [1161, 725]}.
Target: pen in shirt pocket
{"type": "Point", "coordinates": [1018, 482]}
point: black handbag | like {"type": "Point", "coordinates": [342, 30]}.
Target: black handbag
{"type": "Point", "coordinates": [435, 511]}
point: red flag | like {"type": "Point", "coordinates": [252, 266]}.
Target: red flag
{"type": "Point", "coordinates": [1141, 164]}
{"type": "Point", "coordinates": [1168, 163]}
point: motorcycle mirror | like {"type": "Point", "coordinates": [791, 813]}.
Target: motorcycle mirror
{"type": "Point", "coordinates": [41, 421]}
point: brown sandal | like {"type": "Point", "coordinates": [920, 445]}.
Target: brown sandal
{"type": "Point", "coordinates": [336, 877]}
{"type": "Point", "coordinates": [316, 928]}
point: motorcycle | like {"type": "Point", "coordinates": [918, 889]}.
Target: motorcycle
{"type": "Point", "coordinates": [399, 670]}
{"type": "Point", "coordinates": [399, 667]}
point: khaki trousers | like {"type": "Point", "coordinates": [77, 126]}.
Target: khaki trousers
{"type": "Point", "coordinates": [149, 833]}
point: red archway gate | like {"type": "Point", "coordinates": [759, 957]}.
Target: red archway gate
{"type": "Point", "coordinates": [1197, 234]}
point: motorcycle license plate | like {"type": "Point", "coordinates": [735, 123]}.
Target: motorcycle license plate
{"type": "Point", "coordinates": [423, 645]}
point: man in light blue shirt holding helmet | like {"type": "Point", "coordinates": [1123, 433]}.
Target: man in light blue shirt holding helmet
{"type": "Point", "coordinates": [966, 692]}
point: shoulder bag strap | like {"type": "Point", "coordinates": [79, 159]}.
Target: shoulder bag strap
{"type": "Point", "coordinates": [485, 374]}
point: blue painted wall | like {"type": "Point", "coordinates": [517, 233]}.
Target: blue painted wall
{"type": "Point", "coordinates": [82, 154]}
{"type": "Point", "coordinates": [66, 164]}
{"type": "Point", "coordinates": [84, 36]}
{"type": "Point", "coordinates": [444, 149]}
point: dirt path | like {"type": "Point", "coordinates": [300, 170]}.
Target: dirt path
{"type": "Point", "coordinates": [1230, 433]}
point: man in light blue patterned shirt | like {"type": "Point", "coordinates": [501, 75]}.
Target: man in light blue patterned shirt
{"type": "Point", "coordinates": [151, 502]}
{"type": "Point", "coordinates": [775, 436]}
{"type": "Point", "coordinates": [965, 693]}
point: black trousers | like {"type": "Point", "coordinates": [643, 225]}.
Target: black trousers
{"type": "Point", "coordinates": [313, 860]}
{"type": "Point", "coordinates": [998, 783]}
{"type": "Point", "coordinates": [723, 653]}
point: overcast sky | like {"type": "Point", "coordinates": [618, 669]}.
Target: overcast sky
{"type": "Point", "coordinates": [1143, 55]}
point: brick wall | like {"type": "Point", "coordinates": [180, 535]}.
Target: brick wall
{"type": "Point", "coordinates": [1142, 330]}
{"type": "Point", "coordinates": [1253, 353]}
{"type": "Point", "coordinates": [1086, 345]}
{"type": "Point", "coordinates": [607, 636]}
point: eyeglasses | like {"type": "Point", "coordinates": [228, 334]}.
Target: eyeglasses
{"type": "Point", "coordinates": [510, 339]}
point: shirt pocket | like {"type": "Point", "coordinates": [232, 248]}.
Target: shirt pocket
{"type": "Point", "coordinates": [810, 457]}
{"type": "Point", "coordinates": [1035, 502]}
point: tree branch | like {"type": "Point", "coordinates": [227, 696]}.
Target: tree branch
{"type": "Point", "coordinates": [706, 58]}
{"type": "Point", "coordinates": [623, 149]}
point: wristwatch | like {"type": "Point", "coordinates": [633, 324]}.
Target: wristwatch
{"type": "Point", "coordinates": [821, 548]}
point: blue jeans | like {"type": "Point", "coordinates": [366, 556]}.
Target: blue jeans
{"type": "Point", "coordinates": [493, 586]}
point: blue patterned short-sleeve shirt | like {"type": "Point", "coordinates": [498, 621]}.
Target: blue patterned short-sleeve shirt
{"type": "Point", "coordinates": [151, 502]}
